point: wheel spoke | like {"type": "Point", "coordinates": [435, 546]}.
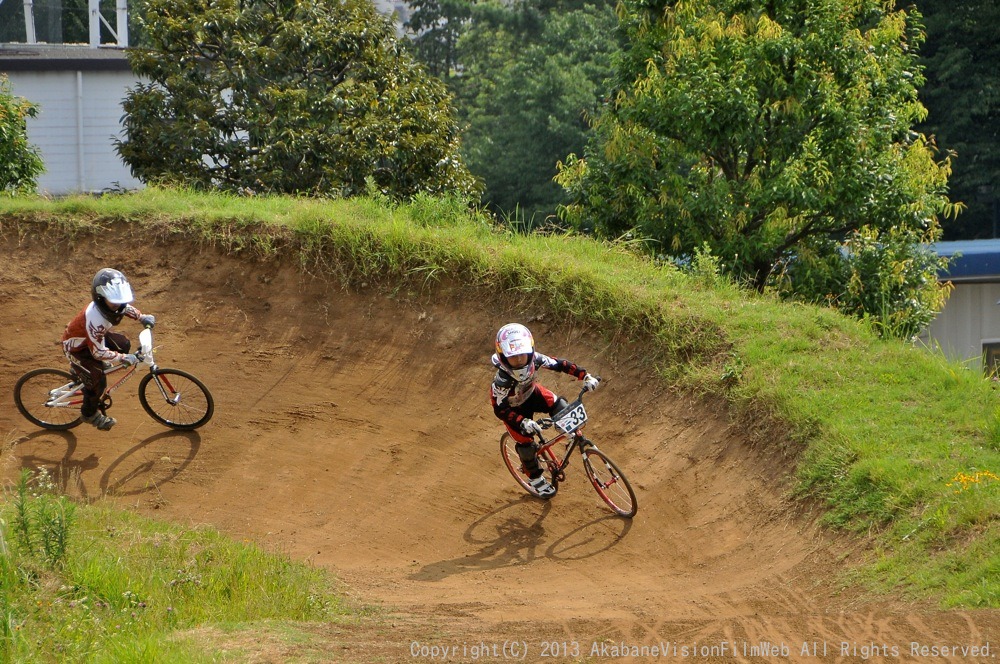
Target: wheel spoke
{"type": "Point", "coordinates": [46, 398]}
{"type": "Point", "coordinates": [176, 399]}
{"type": "Point", "coordinates": [610, 484]}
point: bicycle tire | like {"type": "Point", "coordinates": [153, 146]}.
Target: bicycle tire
{"type": "Point", "coordinates": [514, 464]}
{"type": "Point", "coordinates": [31, 393]}
{"type": "Point", "coordinates": [193, 411]}
{"type": "Point", "coordinates": [615, 491]}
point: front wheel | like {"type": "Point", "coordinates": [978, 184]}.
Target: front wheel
{"type": "Point", "coordinates": [176, 399]}
{"type": "Point", "coordinates": [610, 483]}
{"type": "Point", "coordinates": [49, 398]}
{"type": "Point", "coordinates": [516, 467]}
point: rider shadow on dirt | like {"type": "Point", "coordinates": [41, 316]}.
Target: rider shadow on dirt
{"type": "Point", "coordinates": [143, 468]}
{"type": "Point", "coordinates": [516, 537]}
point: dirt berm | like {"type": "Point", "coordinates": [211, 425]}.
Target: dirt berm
{"type": "Point", "coordinates": [353, 430]}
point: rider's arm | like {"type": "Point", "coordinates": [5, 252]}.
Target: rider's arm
{"type": "Point", "coordinates": [95, 342]}
{"type": "Point", "coordinates": [132, 312]}
{"type": "Point", "coordinates": [560, 365]}
{"type": "Point", "coordinates": [96, 326]}
{"type": "Point", "coordinates": [499, 393]}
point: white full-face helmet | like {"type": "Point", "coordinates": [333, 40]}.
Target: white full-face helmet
{"type": "Point", "coordinates": [516, 350]}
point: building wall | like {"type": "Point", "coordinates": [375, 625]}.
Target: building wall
{"type": "Point", "coordinates": [78, 117]}
{"type": "Point", "coordinates": [970, 318]}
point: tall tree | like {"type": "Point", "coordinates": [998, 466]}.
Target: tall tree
{"type": "Point", "coordinates": [962, 95]}
{"type": "Point", "coordinates": [532, 72]}
{"type": "Point", "coordinates": [288, 96]}
{"type": "Point", "coordinates": [435, 27]}
{"type": "Point", "coordinates": [20, 162]}
{"type": "Point", "coordinates": [764, 128]}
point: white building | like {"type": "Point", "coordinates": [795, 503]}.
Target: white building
{"type": "Point", "coordinates": [78, 91]}
{"type": "Point", "coordinates": [968, 329]}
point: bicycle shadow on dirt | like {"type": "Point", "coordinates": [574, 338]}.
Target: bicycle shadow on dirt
{"type": "Point", "coordinates": [40, 451]}
{"type": "Point", "coordinates": [594, 537]}
{"type": "Point", "coordinates": [150, 463]}
{"type": "Point", "coordinates": [143, 468]}
{"type": "Point", "coordinates": [509, 538]}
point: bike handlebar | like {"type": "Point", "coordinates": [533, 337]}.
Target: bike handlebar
{"type": "Point", "coordinates": [547, 422]}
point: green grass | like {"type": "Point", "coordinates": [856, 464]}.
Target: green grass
{"type": "Point", "coordinates": [127, 587]}
{"type": "Point", "coordinates": [876, 431]}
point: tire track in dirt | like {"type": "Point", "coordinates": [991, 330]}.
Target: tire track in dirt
{"type": "Point", "coordinates": [353, 430]}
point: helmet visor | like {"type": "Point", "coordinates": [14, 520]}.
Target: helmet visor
{"type": "Point", "coordinates": [116, 291]}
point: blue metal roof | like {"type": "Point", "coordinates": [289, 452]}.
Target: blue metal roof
{"type": "Point", "coordinates": [973, 260]}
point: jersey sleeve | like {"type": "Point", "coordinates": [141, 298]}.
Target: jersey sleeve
{"type": "Point", "coordinates": [96, 329]}
{"type": "Point", "coordinates": [500, 392]}
{"type": "Point", "coordinates": [561, 366]}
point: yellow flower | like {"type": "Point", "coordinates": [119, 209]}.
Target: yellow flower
{"type": "Point", "coordinates": [969, 480]}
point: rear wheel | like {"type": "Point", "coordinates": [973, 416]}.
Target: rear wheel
{"type": "Point", "coordinates": [516, 467]}
{"type": "Point", "coordinates": [36, 396]}
{"type": "Point", "coordinates": [610, 483]}
{"type": "Point", "coordinates": [176, 399]}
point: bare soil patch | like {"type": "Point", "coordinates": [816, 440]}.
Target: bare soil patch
{"type": "Point", "coordinates": [353, 430]}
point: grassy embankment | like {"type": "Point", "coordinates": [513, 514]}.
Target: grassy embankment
{"type": "Point", "coordinates": [896, 443]}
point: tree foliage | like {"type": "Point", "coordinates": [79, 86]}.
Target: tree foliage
{"type": "Point", "coordinates": [20, 162]}
{"type": "Point", "coordinates": [435, 27]}
{"type": "Point", "coordinates": [764, 128]}
{"type": "Point", "coordinates": [287, 96]}
{"type": "Point", "coordinates": [531, 75]}
{"type": "Point", "coordinates": [962, 95]}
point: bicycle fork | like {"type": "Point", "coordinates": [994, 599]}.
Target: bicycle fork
{"type": "Point", "coordinates": [172, 400]}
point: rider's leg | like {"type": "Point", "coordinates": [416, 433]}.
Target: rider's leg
{"type": "Point", "coordinates": [91, 373]}
{"type": "Point", "coordinates": [526, 451]}
{"type": "Point", "coordinates": [542, 400]}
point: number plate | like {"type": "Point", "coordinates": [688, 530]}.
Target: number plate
{"type": "Point", "coordinates": [571, 418]}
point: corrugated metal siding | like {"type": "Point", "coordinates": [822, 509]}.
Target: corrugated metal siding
{"type": "Point", "coordinates": [971, 317]}
{"type": "Point", "coordinates": [55, 129]}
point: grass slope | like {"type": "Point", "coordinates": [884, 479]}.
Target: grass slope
{"type": "Point", "coordinates": [896, 442]}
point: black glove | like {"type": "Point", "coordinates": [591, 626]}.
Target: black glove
{"type": "Point", "coordinates": [147, 320]}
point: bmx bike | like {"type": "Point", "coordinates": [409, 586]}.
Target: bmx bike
{"type": "Point", "coordinates": [605, 476]}
{"type": "Point", "coordinates": [51, 398]}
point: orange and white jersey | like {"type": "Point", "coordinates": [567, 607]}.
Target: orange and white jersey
{"type": "Point", "coordinates": [87, 330]}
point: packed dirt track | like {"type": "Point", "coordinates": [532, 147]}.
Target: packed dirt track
{"type": "Point", "coordinates": [352, 429]}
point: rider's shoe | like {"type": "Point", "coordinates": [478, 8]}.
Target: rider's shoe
{"type": "Point", "coordinates": [542, 487]}
{"type": "Point", "coordinates": [101, 421]}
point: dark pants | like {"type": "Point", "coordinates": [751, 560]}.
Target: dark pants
{"type": "Point", "coordinates": [541, 400]}
{"type": "Point", "coordinates": [91, 371]}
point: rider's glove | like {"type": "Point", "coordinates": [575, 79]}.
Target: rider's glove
{"type": "Point", "coordinates": [590, 383]}
{"type": "Point", "coordinates": [530, 427]}
{"type": "Point", "coordinates": [147, 320]}
{"type": "Point", "coordinates": [130, 359]}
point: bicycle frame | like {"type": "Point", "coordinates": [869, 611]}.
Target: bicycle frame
{"type": "Point", "coordinates": [604, 474]}
{"type": "Point", "coordinates": [576, 441]}
{"type": "Point", "coordinates": [545, 453]}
